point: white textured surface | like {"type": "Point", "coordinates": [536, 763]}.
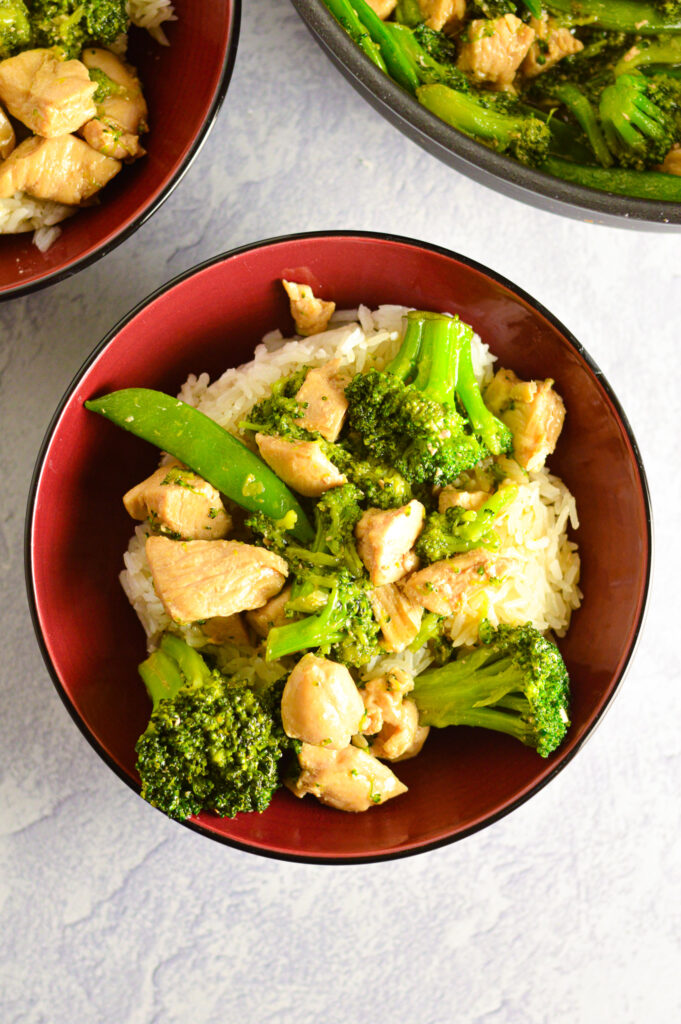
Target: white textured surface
{"type": "Point", "coordinates": [566, 912]}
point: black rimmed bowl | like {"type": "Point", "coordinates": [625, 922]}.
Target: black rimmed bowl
{"type": "Point", "coordinates": [471, 158]}
{"type": "Point", "coordinates": [184, 84]}
{"type": "Point", "coordinates": [212, 317]}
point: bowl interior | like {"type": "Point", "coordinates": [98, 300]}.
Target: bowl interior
{"type": "Point", "coordinates": [183, 84]}
{"type": "Point", "coordinates": [211, 319]}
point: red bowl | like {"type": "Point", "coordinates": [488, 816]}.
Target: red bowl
{"type": "Point", "coordinates": [210, 318]}
{"type": "Point", "coordinates": [184, 85]}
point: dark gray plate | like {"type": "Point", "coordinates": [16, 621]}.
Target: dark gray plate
{"type": "Point", "coordinates": [471, 158]}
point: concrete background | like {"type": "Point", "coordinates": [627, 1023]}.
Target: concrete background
{"type": "Point", "coordinates": [565, 912]}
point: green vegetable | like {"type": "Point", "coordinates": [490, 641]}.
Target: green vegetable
{"type": "Point", "coordinates": [105, 86]}
{"type": "Point", "coordinates": [639, 184]}
{"type": "Point", "coordinates": [516, 682]}
{"type": "Point", "coordinates": [408, 414]}
{"type": "Point", "coordinates": [575, 100]}
{"type": "Point", "coordinates": [204, 446]}
{"type": "Point", "coordinates": [651, 55]}
{"type": "Point", "coordinates": [631, 16]}
{"type": "Point", "coordinates": [397, 65]}
{"type": "Point", "coordinates": [457, 530]}
{"type": "Point", "coordinates": [346, 16]}
{"type": "Point", "coordinates": [490, 118]}
{"type": "Point", "coordinates": [210, 744]}
{"type": "Point", "coordinates": [74, 24]}
{"type": "Point", "coordinates": [641, 118]}
{"type": "Point", "coordinates": [15, 28]}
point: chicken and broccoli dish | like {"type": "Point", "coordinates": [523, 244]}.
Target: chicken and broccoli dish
{"type": "Point", "coordinates": [72, 110]}
{"type": "Point", "coordinates": [585, 90]}
{"type": "Point", "coordinates": [349, 541]}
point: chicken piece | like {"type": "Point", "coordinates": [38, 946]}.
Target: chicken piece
{"type": "Point", "coordinates": [532, 411]}
{"type": "Point", "coordinates": [8, 139]}
{"type": "Point", "coordinates": [451, 497]}
{"type": "Point", "coordinates": [441, 587]}
{"type": "Point", "coordinates": [300, 464]}
{"type": "Point", "coordinates": [51, 97]}
{"type": "Point", "coordinates": [348, 779]}
{"type": "Point", "coordinates": [200, 579]}
{"type": "Point", "coordinates": [323, 393]}
{"type": "Point", "coordinates": [392, 719]}
{"type": "Point", "coordinates": [495, 48]}
{"type": "Point", "coordinates": [384, 538]}
{"type": "Point", "coordinates": [321, 703]}
{"type": "Point", "coordinates": [672, 162]}
{"type": "Point", "coordinates": [272, 614]}
{"type": "Point", "coordinates": [226, 630]}
{"type": "Point", "coordinates": [552, 42]}
{"type": "Point", "coordinates": [443, 14]}
{"type": "Point", "coordinates": [65, 170]}
{"type": "Point", "coordinates": [121, 115]}
{"type": "Point", "coordinates": [383, 8]}
{"type": "Point", "coordinates": [310, 314]}
{"type": "Point", "coordinates": [398, 617]}
{"type": "Point", "coordinates": [178, 501]}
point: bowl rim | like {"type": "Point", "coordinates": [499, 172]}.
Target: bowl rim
{"type": "Point", "coordinates": [195, 826]}
{"type": "Point", "coordinates": [80, 263]}
{"type": "Point", "coordinates": [475, 160]}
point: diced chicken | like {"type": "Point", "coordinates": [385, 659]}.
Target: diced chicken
{"type": "Point", "coordinates": [226, 630]}
{"type": "Point", "coordinates": [443, 14]}
{"type": "Point", "coordinates": [383, 8]}
{"type": "Point", "coordinates": [451, 497]}
{"type": "Point", "coordinates": [122, 115]}
{"type": "Point", "coordinates": [441, 587]}
{"type": "Point", "coordinates": [321, 704]}
{"type": "Point", "coordinates": [385, 538]}
{"type": "Point", "coordinates": [310, 314]}
{"type": "Point", "coordinates": [65, 170]}
{"type": "Point", "coordinates": [51, 97]}
{"type": "Point", "coordinates": [398, 617]}
{"type": "Point", "coordinates": [532, 410]}
{"type": "Point", "coordinates": [552, 43]}
{"type": "Point", "coordinates": [348, 779]}
{"type": "Point", "coordinates": [8, 139]}
{"type": "Point", "coordinates": [272, 614]}
{"type": "Point", "coordinates": [672, 162]}
{"type": "Point", "coordinates": [323, 394]}
{"type": "Point", "coordinates": [495, 49]}
{"type": "Point", "coordinates": [200, 579]}
{"type": "Point", "coordinates": [179, 502]}
{"type": "Point", "coordinates": [300, 464]}
{"type": "Point", "coordinates": [392, 719]}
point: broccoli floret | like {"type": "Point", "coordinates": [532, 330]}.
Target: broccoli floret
{"type": "Point", "coordinates": [408, 414]}
{"type": "Point", "coordinates": [457, 529]}
{"type": "Point", "coordinates": [640, 118]}
{"type": "Point", "coordinates": [516, 682]}
{"type": "Point", "coordinates": [498, 121]}
{"type": "Point", "coordinates": [210, 744]}
{"type": "Point", "coordinates": [74, 24]}
{"type": "Point", "coordinates": [15, 28]}
{"type": "Point", "coordinates": [383, 486]}
{"type": "Point", "coordinates": [431, 54]}
{"type": "Point", "coordinates": [277, 413]}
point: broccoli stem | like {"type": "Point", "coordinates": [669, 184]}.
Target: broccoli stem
{"type": "Point", "coordinates": [431, 624]}
{"type": "Point", "coordinates": [653, 185]}
{"type": "Point", "coordinates": [346, 16]}
{"type": "Point", "coordinates": [313, 631]}
{"type": "Point", "coordinates": [403, 364]}
{"type": "Point", "coordinates": [572, 97]}
{"type": "Point", "coordinates": [161, 677]}
{"type": "Point", "coordinates": [438, 358]}
{"type": "Point", "coordinates": [630, 16]}
{"type": "Point", "coordinates": [665, 56]}
{"type": "Point", "coordinates": [492, 432]}
{"type": "Point", "coordinates": [465, 113]}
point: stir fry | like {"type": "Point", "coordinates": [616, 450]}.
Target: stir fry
{"type": "Point", "coordinates": [585, 90]}
{"type": "Point", "coordinates": [354, 569]}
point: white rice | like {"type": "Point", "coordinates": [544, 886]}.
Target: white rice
{"type": "Point", "coordinates": [21, 212]}
{"type": "Point", "coordinates": [543, 589]}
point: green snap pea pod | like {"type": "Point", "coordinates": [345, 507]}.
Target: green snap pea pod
{"type": "Point", "coordinates": [399, 67]}
{"type": "Point", "coordinates": [534, 7]}
{"type": "Point", "coordinates": [346, 17]}
{"type": "Point", "coordinates": [639, 184]}
{"type": "Point", "coordinates": [206, 447]}
{"type": "Point", "coordinates": [644, 19]}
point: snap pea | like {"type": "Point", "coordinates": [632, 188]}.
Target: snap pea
{"type": "Point", "coordinates": [645, 19]}
{"type": "Point", "coordinates": [399, 67]}
{"type": "Point", "coordinates": [206, 447]}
